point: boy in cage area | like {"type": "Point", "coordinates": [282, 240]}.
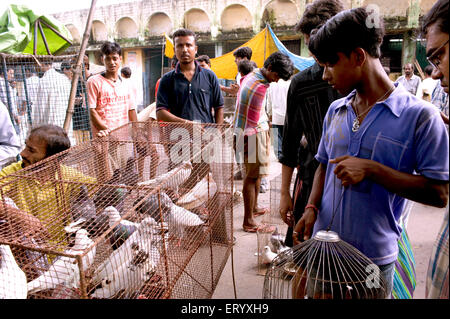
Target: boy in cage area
{"type": "Point", "coordinates": [366, 169]}
{"type": "Point", "coordinates": [30, 208]}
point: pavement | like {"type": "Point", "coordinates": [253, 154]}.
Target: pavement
{"type": "Point", "coordinates": [423, 225]}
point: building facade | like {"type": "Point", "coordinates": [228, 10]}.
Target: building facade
{"type": "Point", "coordinates": [223, 25]}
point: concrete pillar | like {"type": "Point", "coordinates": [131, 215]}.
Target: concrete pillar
{"type": "Point", "coordinates": [304, 51]}
{"type": "Point", "coordinates": [257, 16]}
{"type": "Point", "coordinates": [409, 47]}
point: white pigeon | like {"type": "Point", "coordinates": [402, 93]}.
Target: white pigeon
{"type": "Point", "coordinates": [13, 282]}
{"type": "Point", "coordinates": [141, 239]}
{"type": "Point", "coordinates": [128, 278]}
{"type": "Point", "coordinates": [65, 270]}
{"type": "Point", "coordinates": [199, 194]}
{"type": "Point", "coordinates": [180, 218]}
{"type": "Point", "coordinates": [267, 256]}
{"type": "Point", "coordinates": [171, 179]}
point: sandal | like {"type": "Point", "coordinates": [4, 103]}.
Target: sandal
{"type": "Point", "coordinates": [266, 228]}
{"type": "Point", "coordinates": [261, 211]}
{"type": "Point", "coordinates": [250, 229]}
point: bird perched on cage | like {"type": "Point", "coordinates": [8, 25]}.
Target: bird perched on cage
{"type": "Point", "coordinates": [122, 231]}
{"type": "Point", "coordinates": [142, 239]}
{"type": "Point", "coordinates": [267, 255]}
{"type": "Point", "coordinates": [65, 270]}
{"type": "Point", "coordinates": [13, 281]}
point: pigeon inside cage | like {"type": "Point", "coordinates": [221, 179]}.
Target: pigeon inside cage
{"type": "Point", "coordinates": [323, 267]}
{"type": "Point", "coordinates": [125, 237]}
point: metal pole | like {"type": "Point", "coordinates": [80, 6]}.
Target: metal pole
{"type": "Point", "coordinates": [27, 97]}
{"type": "Point", "coordinates": [265, 43]}
{"type": "Point", "coordinates": [162, 55]}
{"type": "Point", "coordinates": [76, 75]}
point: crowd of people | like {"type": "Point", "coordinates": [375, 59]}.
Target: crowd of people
{"type": "Point", "coordinates": [364, 147]}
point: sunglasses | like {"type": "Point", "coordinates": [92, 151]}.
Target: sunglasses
{"type": "Point", "coordinates": [435, 58]}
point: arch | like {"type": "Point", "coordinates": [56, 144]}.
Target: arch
{"type": "Point", "coordinates": [197, 20]}
{"type": "Point", "coordinates": [158, 24]}
{"type": "Point", "coordinates": [99, 31]}
{"type": "Point", "coordinates": [389, 8]}
{"type": "Point", "coordinates": [235, 16]}
{"type": "Point", "coordinates": [280, 13]}
{"type": "Point", "coordinates": [74, 32]}
{"type": "Point", "coordinates": [126, 28]}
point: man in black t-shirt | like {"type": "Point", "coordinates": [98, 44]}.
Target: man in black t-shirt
{"type": "Point", "coordinates": [307, 103]}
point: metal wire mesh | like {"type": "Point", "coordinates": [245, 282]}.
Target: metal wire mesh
{"type": "Point", "coordinates": [272, 234]}
{"type": "Point", "coordinates": [143, 213]}
{"type": "Point", "coordinates": [36, 91]}
{"type": "Point", "coordinates": [323, 267]}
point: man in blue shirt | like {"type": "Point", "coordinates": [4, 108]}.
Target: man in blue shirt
{"type": "Point", "coordinates": [189, 93]}
{"type": "Point", "coordinates": [372, 142]}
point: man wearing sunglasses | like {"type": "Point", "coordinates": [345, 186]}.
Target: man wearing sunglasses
{"type": "Point", "coordinates": [435, 29]}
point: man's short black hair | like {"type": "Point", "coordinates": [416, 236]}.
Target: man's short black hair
{"type": "Point", "coordinates": [110, 48]}
{"type": "Point", "coordinates": [245, 66]}
{"type": "Point", "coordinates": [281, 64]}
{"type": "Point", "coordinates": [55, 137]}
{"type": "Point", "coordinates": [345, 32]}
{"type": "Point", "coordinates": [317, 13]}
{"type": "Point", "coordinates": [184, 33]}
{"type": "Point", "coordinates": [428, 70]}
{"type": "Point", "coordinates": [204, 58]}
{"type": "Point", "coordinates": [244, 52]}
{"type": "Point", "coordinates": [126, 72]}
{"type": "Point", "coordinates": [437, 14]}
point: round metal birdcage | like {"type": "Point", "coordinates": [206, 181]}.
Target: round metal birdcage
{"type": "Point", "coordinates": [323, 267]}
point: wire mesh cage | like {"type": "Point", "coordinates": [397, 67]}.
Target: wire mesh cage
{"type": "Point", "coordinates": [36, 91]}
{"type": "Point", "coordinates": [323, 267]}
{"type": "Point", "coordinates": [142, 213]}
{"type": "Point", "coordinates": [271, 236]}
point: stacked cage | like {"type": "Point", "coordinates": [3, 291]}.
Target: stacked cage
{"type": "Point", "coordinates": [143, 213]}
{"type": "Point", "coordinates": [36, 91]}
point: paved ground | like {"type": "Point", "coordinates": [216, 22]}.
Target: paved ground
{"type": "Point", "coordinates": [423, 225]}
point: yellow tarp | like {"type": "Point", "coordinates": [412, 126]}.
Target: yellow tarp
{"type": "Point", "coordinates": [224, 66]}
{"type": "Point", "coordinates": [169, 49]}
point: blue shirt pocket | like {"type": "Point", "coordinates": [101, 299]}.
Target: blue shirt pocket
{"type": "Point", "coordinates": [388, 151]}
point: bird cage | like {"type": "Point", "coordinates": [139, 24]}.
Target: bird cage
{"type": "Point", "coordinates": [36, 91]}
{"type": "Point", "coordinates": [142, 213]}
{"type": "Point", "coordinates": [323, 267]}
{"type": "Point", "coordinates": [271, 236]}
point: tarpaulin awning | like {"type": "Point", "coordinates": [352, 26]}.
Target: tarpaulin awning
{"type": "Point", "coordinates": [17, 32]}
{"type": "Point", "coordinates": [263, 44]}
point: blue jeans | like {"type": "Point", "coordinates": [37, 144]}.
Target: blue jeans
{"type": "Point", "coordinates": [277, 139]}
{"type": "Point", "coordinates": [387, 272]}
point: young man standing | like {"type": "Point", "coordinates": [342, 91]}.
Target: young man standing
{"type": "Point", "coordinates": [204, 61]}
{"type": "Point", "coordinates": [308, 99]}
{"type": "Point", "coordinates": [252, 130]}
{"type": "Point", "coordinates": [435, 29]}
{"type": "Point", "coordinates": [110, 101]}
{"type": "Point", "coordinates": [366, 167]}
{"type": "Point", "coordinates": [189, 93]}
{"type": "Point", "coordinates": [240, 54]}
{"type": "Point", "coordinates": [111, 105]}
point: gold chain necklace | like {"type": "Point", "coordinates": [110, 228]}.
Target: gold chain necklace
{"type": "Point", "coordinates": [356, 123]}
